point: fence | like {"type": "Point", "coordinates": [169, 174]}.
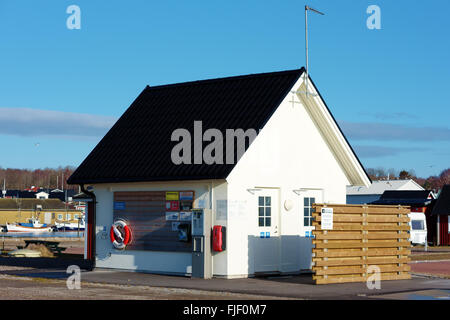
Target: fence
{"type": "Point", "coordinates": [361, 236]}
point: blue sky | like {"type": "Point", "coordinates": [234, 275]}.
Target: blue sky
{"type": "Point", "coordinates": [61, 89]}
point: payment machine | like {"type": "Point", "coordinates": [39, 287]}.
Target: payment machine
{"type": "Point", "coordinates": [201, 243]}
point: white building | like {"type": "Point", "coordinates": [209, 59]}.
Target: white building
{"type": "Point", "coordinates": [41, 195]}
{"type": "Point", "coordinates": [299, 157]}
{"type": "Point", "coordinates": [362, 194]}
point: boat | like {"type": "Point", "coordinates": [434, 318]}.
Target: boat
{"type": "Point", "coordinates": [71, 226]}
{"type": "Point", "coordinates": [33, 226]}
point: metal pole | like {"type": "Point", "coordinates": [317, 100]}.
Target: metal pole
{"type": "Point", "coordinates": [306, 47]}
{"type": "Point", "coordinates": [306, 44]}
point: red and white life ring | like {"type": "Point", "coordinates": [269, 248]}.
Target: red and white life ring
{"type": "Point", "coordinates": [120, 234]}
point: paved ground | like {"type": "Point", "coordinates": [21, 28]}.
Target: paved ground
{"type": "Point", "coordinates": [433, 268]}
{"type": "Point", "coordinates": [104, 284]}
{"type": "Point", "coordinates": [431, 280]}
{"type": "Point", "coordinates": [32, 288]}
{"type": "Point", "coordinates": [432, 294]}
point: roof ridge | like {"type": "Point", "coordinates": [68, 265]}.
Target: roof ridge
{"type": "Point", "coordinates": [229, 78]}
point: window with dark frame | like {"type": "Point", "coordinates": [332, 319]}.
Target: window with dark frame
{"type": "Point", "coordinates": [264, 211]}
{"type": "Point", "coordinates": [307, 211]}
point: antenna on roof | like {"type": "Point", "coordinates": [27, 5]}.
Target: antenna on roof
{"type": "Point", "coordinates": [307, 8]}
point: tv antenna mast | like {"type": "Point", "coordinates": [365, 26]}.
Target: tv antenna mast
{"type": "Point", "coordinates": [307, 8]}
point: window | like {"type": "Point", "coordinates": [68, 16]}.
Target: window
{"type": "Point", "coordinates": [75, 216]}
{"type": "Point", "coordinates": [307, 211]}
{"type": "Point", "coordinates": [60, 216]}
{"type": "Point", "coordinates": [68, 217]}
{"type": "Point", "coordinates": [417, 224]}
{"type": "Point", "coordinates": [264, 211]}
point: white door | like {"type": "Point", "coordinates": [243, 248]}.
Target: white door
{"type": "Point", "coordinates": [266, 244]}
{"type": "Point", "coordinates": [307, 199]}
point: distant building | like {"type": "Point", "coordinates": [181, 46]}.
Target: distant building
{"type": "Point", "coordinates": [47, 211]}
{"type": "Point", "coordinates": [420, 201]}
{"type": "Point", "coordinates": [65, 195]}
{"type": "Point", "coordinates": [19, 194]}
{"type": "Point", "coordinates": [361, 195]}
{"type": "Point", "coordinates": [440, 217]}
{"type": "Point", "coordinates": [41, 195]}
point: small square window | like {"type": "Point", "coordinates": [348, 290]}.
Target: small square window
{"type": "Point", "coordinates": [268, 212]}
{"type": "Point", "coordinates": [267, 201]}
{"type": "Point", "coordinates": [261, 201]}
{"type": "Point", "coordinates": [261, 211]}
{"type": "Point", "coordinates": [261, 222]}
{"type": "Point", "coordinates": [267, 222]}
{"type": "Point", "coordinates": [312, 200]}
{"type": "Point", "coordinates": [306, 202]}
{"type": "Point", "coordinates": [306, 222]}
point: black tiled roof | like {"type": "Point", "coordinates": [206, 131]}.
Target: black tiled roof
{"type": "Point", "coordinates": [442, 205]}
{"type": "Point", "coordinates": [405, 194]}
{"type": "Point", "coordinates": [138, 147]}
{"type": "Point", "coordinates": [405, 197]}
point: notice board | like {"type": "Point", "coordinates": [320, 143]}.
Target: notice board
{"type": "Point", "coordinates": [153, 217]}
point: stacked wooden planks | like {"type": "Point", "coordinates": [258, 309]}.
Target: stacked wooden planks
{"type": "Point", "coordinates": [364, 239]}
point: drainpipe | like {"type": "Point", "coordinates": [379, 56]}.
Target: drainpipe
{"type": "Point", "coordinates": [94, 200]}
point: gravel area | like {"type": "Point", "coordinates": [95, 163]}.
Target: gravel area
{"type": "Point", "coordinates": [26, 288]}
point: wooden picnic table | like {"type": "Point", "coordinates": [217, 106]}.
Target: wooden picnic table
{"type": "Point", "coordinates": [52, 245]}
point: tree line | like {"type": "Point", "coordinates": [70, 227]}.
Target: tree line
{"type": "Point", "coordinates": [434, 183]}
{"type": "Point", "coordinates": [48, 178]}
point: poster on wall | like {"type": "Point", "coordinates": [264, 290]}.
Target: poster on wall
{"type": "Point", "coordinates": [119, 205]}
{"type": "Point", "coordinates": [186, 195]}
{"type": "Point", "coordinates": [172, 216]}
{"type": "Point", "coordinates": [172, 205]}
{"type": "Point", "coordinates": [185, 215]}
{"type": "Point", "coordinates": [327, 218]}
{"type": "Point", "coordinates": [172, 195]}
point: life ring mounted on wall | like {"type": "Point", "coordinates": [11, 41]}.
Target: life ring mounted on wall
{"type": "Point", "coordinates": [120, 234]}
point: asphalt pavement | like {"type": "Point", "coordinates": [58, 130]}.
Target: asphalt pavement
{"type": "Point", "coordinates": [293, 287]}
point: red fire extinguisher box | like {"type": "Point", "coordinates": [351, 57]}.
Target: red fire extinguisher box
{"type": "Point", "coordinates": [219, 238]}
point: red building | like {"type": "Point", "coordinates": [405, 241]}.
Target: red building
{"type": "Point", "coordinates": [440, 216]}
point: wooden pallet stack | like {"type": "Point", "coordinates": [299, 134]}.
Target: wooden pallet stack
{"type": "Point", "coordinates": [364, 239]}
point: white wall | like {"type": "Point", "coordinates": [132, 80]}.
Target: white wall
{"type": "Point", "coordinates": [220, 213]}
{"type": "Point", "coordinates": [289, 154]}
{"type": "Point", "coordinates": [151, 261]}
